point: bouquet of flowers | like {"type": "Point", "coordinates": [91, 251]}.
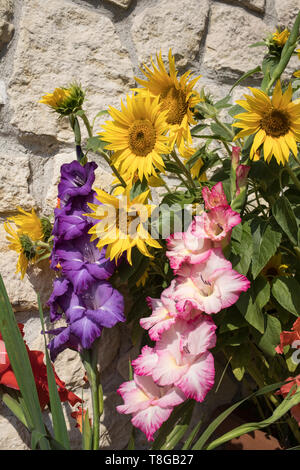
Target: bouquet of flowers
{"type": "Point", "coordinates": [211, 268]}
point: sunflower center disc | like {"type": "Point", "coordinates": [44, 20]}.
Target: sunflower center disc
{"type": "Point", "coordinates": [142, 137]}
{"type": "Point", "coordinates": [174, 101]}
{"type": "Point", "coordinates": [275, 123]}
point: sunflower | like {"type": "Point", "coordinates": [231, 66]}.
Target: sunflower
{"type": "Point", "coordinates": [65, 100]}
{"type": "Point", "coordinates": [120, 224]}
{"type": "Point", "coordinates": [137, 136]}
{"type": "Point", "coordinates": [187, 153]}
{"type": "Point", "coordinates": [274, 268]}
{"type": "Point", "coordinates": [28, 224]}
{"type": "Point", "coordinates": [274, 121]}
{"type": "Point", "coordinates": [280, 37]}
{"type": "Point", "coordinates": [176, 96]}
{"type": "Point", "coordinates": [22, 244]}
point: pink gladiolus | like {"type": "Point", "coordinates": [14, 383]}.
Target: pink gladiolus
{"type": "Point", "coordinates": [164, 313]}
{"type": "Point", "coordinates": [185, 247]}
{"type": "Point", "coordinates": [209, 286]}
{"type": "Point", "coordinates": [235, 157]}
{"type": "Point", "coordinates": [149, 404]}
{"type": "Point", "coordinates": [215, 224]}
{"type": "Point", "coordinates": [214, 197]}
{"type": "Point", "coordinates": [241, 177]}
{"type": "Point", "coordinates": [181, 359]}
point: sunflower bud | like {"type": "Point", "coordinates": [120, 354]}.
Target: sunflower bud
{"type": "Point", "coordinates": [28, 247]}
{"type": "Point", "coordinates": [65, 101]}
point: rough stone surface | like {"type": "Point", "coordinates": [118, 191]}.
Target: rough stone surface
{"type": "Point", "coordinates": [180, 27]}
{"type": "Point", "coordinates": [14, 177]}
{"type": "Point", "coordinates": [6, 27]}
{"type": "Point", "coordinates": [287, 11]}
{"type": "Point", "coordinates": [231, 31]}
{"type": "Point", "coordinates": [57, 46]}
{"type": "Point", "coordinates": [44, 45]}
{"type": "Point", "coordinates": [255, 5]}
{"type": "Point", "coordinates": [121, 3]}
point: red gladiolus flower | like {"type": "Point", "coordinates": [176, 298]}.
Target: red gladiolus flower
{"type": "Point", "coordinates": [284, 390]}
{"type": "Point", "coordinates": [39, 369]}
{"type": "Point", "coordinates": [288, 337]}
{"type": "Point", "coordinates": [79, 415]}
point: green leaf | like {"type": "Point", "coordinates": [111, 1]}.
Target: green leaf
{"type": "Point", "coordinates": [21, 366]}
{"type": "Point", "coordinates": [280, 411]}
{"type": "Point", "coordinates": [241, 242]}
{"type": "Point", "coordinates": [284, 216]}
{"type": "Point", "coordinates": [197, 128]}
{"type": "Point", "coordinates": [223, 103]}
{"type": "Point", "coordinates": [219, 420]}
{"type": "Point", "coordinates": [175, 427]}
{"type": "Point", "coordinates": [239, 360]}
{"type": "Point", "coordinates": [244, 76]}
{"type": "Point", "coordinates": [219, 130]}
{"type": "Point", "coordinates": [138, 188]}
{"type": "Point", "coordinates": [59, 424]}
{"type": "Point", "coordinates": [95, 144]}
{"type": "Point", "coordinates": [266, 240]}
{"type": "Point", "coordinates": [14, 406]}
{"type": "Point", "coordinates": [87, 434]}
{"type": "Point", "coordinates": [271, 337]}
{"type": "Point", "coordinates": [286, 292]}
{"type": "Point", "coordinates": [250, 303]}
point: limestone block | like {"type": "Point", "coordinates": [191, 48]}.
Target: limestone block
{"type": "Point", "coordinates": [3, 96]}
{"type": "Point", "coordinates": [227, 54]}
{"type": "Point", "coordinates": [179, 25]}
{"type": "Point", "coordinates": [14, 176]}
{"type": "Point", "coordinates": [121, 3]}
{"type": "Point", "coordinates": [287, 11]}
{"type": "Point", "coordinates": [61, 42]}
{"type": "Point", "coordinates": [6, 27]}
{"type": "Point", "coordinates": [255, 5]}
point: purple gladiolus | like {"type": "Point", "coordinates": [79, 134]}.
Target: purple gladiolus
{"type": "Point", "coordinates": [82, 293]}
{"type": "Point", "coordinates": [100, 307]}
{"type": "Point", "coordinates": [76, 180]}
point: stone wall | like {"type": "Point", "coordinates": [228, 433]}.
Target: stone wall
{"type": "Point", "coordinates": [101, 43]}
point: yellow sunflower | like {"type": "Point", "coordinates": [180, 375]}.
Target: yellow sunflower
{"type": "Point", "coordinates": [187, 153]}
{"type": "Point", "coordinates": [137, 136]}
{"type": "Point", "coordinates": [22, 244]}
{"type": "Point", "coordinates": [120, 224]}
{"type": "Point", "coordinates": [274, 121]}
{"type": "Point", "coordinates": [28, 224]}
{"type": "Point", "coordinates": [57, 98]}
{"type": "Point", "coordinates": [280, 37]}
{"type": "Point", "coordinates": [65, 100]}
{"type": "Point", "coordinates": [176, 96]}
{"type": "Point", "coordinates": [274, 268]}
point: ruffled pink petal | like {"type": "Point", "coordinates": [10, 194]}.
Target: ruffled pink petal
{"type": "Point", "coordinates": [167, 371]}
{"type": "Point", "coordinates": [202, 335]}
{"type": "Point", "coordinates": [151, 419]}
{"type": "Point", "coordinates": [199, 378]}
{"type": "Point", "coordinates": [214, 197]}
{"type": "Point", "coordinates": [144, 364]}
{"type": "Point", "coordinates": [134, 398]}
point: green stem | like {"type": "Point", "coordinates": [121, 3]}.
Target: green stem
{"type": "Point", "coordinates": [112, 166]}
{"type": "Point", "coordinates": [103, 154]}
{"type": "Point", "coordinates": [87, 124]}
{"type": "Point", "coordinates": [293, 176]}
{"type": "Point", "coordinates": [184, 169]}
{"type": "Point", "coordinates": [221, 124]}
{"type": "Point", "coordinates": [286, 53]}
{"type": "Point", "coordinates": [89, 358]}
